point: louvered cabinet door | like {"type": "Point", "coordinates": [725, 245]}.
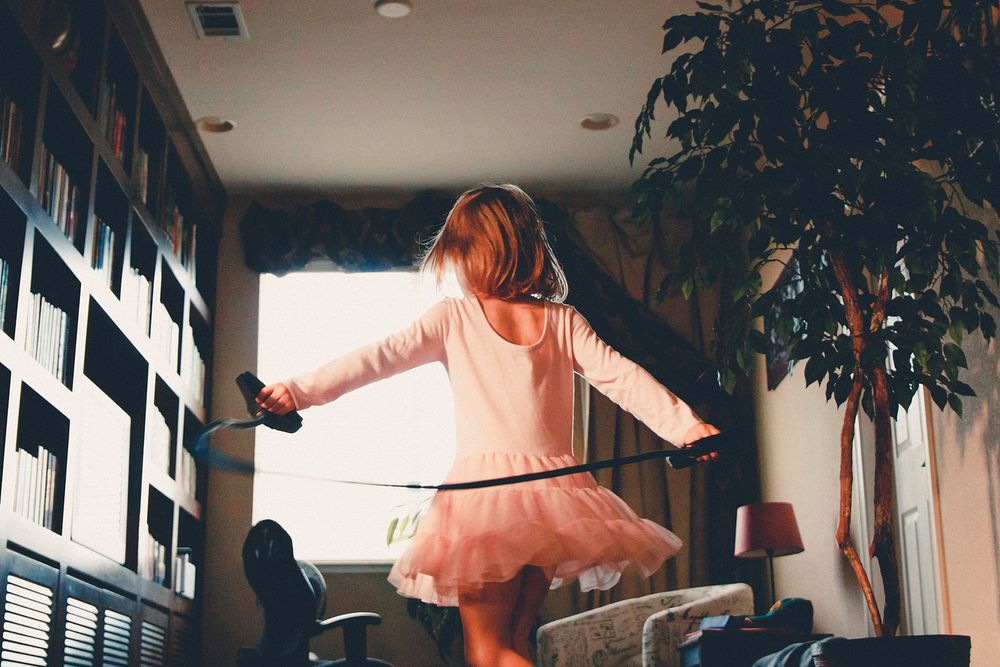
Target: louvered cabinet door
{"type": "Point", "coordinates": [28, 611]}
{"type": "Point", "coordinates": [183, 642]}
{"type": "Point", "coordinates": [153, 637]}
{"type": "Point", "coordinates": [116, 630]}
{"type": "Point", "coordinates": [81, 627]}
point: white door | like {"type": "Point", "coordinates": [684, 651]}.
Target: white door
{"type": "Point", "coordinates": [916, 535]}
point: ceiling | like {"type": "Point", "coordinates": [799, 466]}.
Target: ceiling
{"type": "Point", "coordinates": [329, 96]}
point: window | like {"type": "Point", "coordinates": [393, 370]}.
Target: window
{"type": "Point", "coordinates": [399, 430]}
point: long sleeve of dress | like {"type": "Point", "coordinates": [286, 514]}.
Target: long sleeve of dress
{"type": "Point", "coordinates": [629, 385]}
{"type": "Point", "coordinates": [420, 343]}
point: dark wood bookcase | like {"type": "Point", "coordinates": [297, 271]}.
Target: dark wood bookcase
{"type": "Point", "coordinates": [109, 224]}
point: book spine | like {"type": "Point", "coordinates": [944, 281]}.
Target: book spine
{"type": "Point", "coordinates": [35, 488]}
{"type": "Point", "coordinates": [4, 281]}
{"type": "Point", "coordinates": [50, 490]}
{"type": "Point", "coordinates": [22, 484]}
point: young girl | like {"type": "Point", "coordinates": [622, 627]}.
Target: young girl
{"type": "Point", "coordinates": [511, 349]}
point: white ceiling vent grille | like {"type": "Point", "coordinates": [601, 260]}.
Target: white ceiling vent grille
{"type": "Point", "coordinates": [218, 19]}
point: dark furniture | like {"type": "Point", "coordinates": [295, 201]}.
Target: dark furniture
{"type": "Point", "coordinates": [937, 650]}
{"type": "Point", "coordinates": [292, 595]}
{"type": "Point", "coordinates": [736, 648]}
{"type": "Point", "coordinates": [106, 311]}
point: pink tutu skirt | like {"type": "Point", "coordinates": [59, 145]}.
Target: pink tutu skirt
{"type": "Point", "coordinates": [569, 526]}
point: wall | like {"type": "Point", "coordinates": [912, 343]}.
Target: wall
{"type": "Point", "coordinates": [232, 618]}
{"type": "Point", "coordinates": [967, 453]}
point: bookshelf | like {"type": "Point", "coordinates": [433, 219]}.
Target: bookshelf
{"type": "Point", "coordinates": [109, 214]}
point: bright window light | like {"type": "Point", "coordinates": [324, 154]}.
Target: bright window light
{"type": "Point", "coordinates": [399, 430]}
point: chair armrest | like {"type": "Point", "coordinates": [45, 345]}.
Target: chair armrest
{"type": "Point", "coordinates": [663, 631]}
{"type": "Point", "coordinates": [348, 621]}
{"type": "Point", "coordinates": [355, 630]}
{"type": "Point", "coordinates": [613, 630]}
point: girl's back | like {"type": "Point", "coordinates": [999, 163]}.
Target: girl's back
{"type": "Point", "coordinates": [518, 321]}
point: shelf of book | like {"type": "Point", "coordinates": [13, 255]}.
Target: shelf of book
{"type": "Point", "coordinates": [19, 89]}
{"type": "Point", "coordinates": [120, 101]}
{"type": "Point", "coordinates": [108, 230]}
{"type": "Point", "coordinates": [11, 255]}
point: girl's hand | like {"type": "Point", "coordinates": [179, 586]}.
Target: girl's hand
{"type": "Point", "coordinates": [697, 432]}
{"type": "Point", "coordinates": [276, 398]}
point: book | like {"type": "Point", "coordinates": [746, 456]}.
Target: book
{"type": "Point", "coordinates": [115, 128]}
{"type": "Point", "coordinates": [165, 334]}
{"type": "Point", "coordinates": [37, 480]}
{"type": "Point", "coordinates": [185, 573]}
{"type": "Point", "coordinates": [142, 169]}
{"type": "Point", "coordinates": [60, 196]}
{"type": "Point", "coordinates": [47, 336]}
{"type": "Point", "coordinates": [137, 296]}
{"type": "Point", "coordinates": [4, 288]}
{"type": "Point", "coordinates": [102, 257]}
{"type": "Point", "coordinates": [11, 126]}
{"type": "Point", "coordinates": [160, 438]}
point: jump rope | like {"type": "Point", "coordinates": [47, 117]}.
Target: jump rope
{"type": "Point", "coordinates": [291, 422]}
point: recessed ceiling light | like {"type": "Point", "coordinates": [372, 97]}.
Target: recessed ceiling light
{"type": "Point", "coordinates": [393, 9]}
{"type": "Point", "coordinates": [598, 121]}
{"type": "Point", "coordinates": [214, 124]}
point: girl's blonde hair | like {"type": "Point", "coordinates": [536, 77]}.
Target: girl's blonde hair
{"type": "Point", "coordinates": [495, 239]}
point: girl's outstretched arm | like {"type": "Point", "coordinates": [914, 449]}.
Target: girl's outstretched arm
{"type": "Point", "coordinates": [633, 388]}
{"type": "Point", "coordinates": [420, 343]}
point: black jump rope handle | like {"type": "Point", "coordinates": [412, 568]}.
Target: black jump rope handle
{"type": "Point", "coordinates": [250, 385]}
{"type": "Point", "coordinates": [688, 456]}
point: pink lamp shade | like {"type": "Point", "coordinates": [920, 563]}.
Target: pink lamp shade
{"type": "Point", "coordinates": [767, 529]}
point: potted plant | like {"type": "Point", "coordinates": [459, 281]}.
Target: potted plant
{"type": "Point", "coordinates": [860, 137]}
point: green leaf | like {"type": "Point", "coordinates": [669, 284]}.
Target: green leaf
{"type": "Point", "coordinates": [710, 7]}
{"type": "Point", "coordinates": [962, 388]}
{"type": "Point", "coordinates": [718, 219]}
{"type": "Point", "coordinates": [672, 39]}
{"type": "Point", "coordinates": [955, 355]}
{"type": "Point", "coordinates": [955, 403]}
{"type": "Point", "coordinates": [837, 8]}
{"type": "Point", "coordinates": [939, 396]}
{"type": "Point", "coordinates": [390, 534]}
{"type": "Point", "coordinates": [687, 287]}
{"type": "Point", "coordinates": [815, 369]}
{"type": "Point", "coordinates": [988, 325]}
{"type": "Point", "coordinates": [727, 380]}
{"type": "Point", "coordinates": [956, 330]}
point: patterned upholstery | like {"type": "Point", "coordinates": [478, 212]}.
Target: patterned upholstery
{"type": "Point", "coordinates": [641, 632]}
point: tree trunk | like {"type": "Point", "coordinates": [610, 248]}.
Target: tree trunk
{"type": "Point", "coordinates": [844, 541]}
{"type": "Point", "coordinates": [883, 543]}
{"type": "Point", "coordinates": [856, 324]}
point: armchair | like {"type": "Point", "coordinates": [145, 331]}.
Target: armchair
{"type": "Point", "coordinates": [642, 631]}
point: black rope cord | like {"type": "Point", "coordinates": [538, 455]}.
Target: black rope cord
{"type": "Point", "coordinates": [675, 458]}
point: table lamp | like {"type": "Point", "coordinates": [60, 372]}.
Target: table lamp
{"type": "Point", "coordinates": [767, 529]}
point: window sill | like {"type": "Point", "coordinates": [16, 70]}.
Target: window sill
{"type": "Point", "coordinates": [335, 567]}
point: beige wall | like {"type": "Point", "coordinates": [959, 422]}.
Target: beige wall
{"type": "Point", "coordinates": [232, 618]}
{"type": "Point", "coordinates": [967, 453]}
{"type": "Point", "coordinates": [968, 471]}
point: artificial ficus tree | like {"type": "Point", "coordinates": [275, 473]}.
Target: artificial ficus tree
{"type": "Point", "coordinates": [864, 139]}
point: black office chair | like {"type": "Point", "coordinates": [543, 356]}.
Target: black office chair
{"type": "Point", "coordinates": [292, 594]}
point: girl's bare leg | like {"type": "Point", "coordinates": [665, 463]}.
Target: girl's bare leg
{"type": "Point", "coordinates": [486, 625]}
{"type": "Point", "coordinates": [534, 587]}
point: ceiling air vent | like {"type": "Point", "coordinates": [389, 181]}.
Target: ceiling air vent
{"type": "Point", "coordinates": [218, 19]}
